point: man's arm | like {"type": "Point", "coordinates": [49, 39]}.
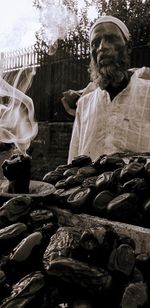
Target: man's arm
{"type": "Point", "coordinates": [70, 98]}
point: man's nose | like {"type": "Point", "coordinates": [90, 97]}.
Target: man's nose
{"type": "Point", "coordinates": [103, 45]}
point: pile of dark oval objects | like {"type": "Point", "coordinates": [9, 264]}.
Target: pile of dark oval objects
{"type": "Point", "coordinates": [43, 264]}
{"type": "Point", "coordinates": [110, 187]}
{"type": "Point", "coordinates": [46, 265]}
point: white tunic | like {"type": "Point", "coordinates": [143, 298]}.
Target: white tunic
{"type": "Point", "coordinates": [103, 126]}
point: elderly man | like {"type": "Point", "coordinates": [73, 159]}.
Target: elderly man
{"type": "Point", "coordinates": [115, 115]}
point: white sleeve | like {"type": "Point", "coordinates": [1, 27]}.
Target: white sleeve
{"type": "Point", "coordinates": [74, 143]}
{"type": "Point", "coordinates": [89, 88]}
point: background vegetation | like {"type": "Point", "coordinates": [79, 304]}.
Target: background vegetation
{"type": "Point", "coordinates": [135, 14]}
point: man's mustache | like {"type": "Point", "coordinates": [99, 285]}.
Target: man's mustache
{"type": "Point", "coordinates": [108, 62]}
{"type": "Point", "coordinates": [104, 56]}
{"type": "Point", "coordinates": [109, 57]}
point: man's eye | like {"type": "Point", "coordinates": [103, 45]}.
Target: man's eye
{"type": "Point", "coordinates": [96, 43]}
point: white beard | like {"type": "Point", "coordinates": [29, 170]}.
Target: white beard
{"type": "Point", "coordinates": [110, 70]}
{"type": "Point", "coordinates": [110, 74]}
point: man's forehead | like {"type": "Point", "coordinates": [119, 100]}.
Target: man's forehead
{"type": "Point", "coordinates": [113, 20]}
{"type": "Point", "coordinates": [105, 27]}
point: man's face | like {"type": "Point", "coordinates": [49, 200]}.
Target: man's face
{"type": "Point", "coordinates": [106, 42]}
{"type": "Point", "coordinates": [108, 51]}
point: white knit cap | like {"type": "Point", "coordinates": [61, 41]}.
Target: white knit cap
{"type": "Point", "coordinates": [115, 21]}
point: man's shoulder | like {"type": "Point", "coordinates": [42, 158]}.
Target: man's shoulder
{"type": "Point", "coordinates": [89, 88]}
{"type": "Point", "coordinates": [88, 97]}
{"type": "Point", "coordinates": [143, 72]}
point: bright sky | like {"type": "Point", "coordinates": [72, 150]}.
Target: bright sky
{"type": "Point", "coordinates": [92, 12]}
{"type": "Point", "coordinates": [19, 21]}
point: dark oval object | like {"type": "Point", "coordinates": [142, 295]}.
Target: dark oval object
{"type": "Point", "coordinates": [81, 160]}
{"type": "Point", "coordinates": [63, 196]}
{"type": "Point", "coordinates": [107, 181]}
{"type": "Point", "coordinates": [111, 162]}
{"type": "Point", "coordinates": [11, 235]}
{"type": "Point", "coordinates": [123, 207]}
{"type": "Point", "coordinates": [79, 199]}
{"type": "Point", "coordinates": [101, 201]}
{"type": "Point", "coordinates": [12, 230]}
{"type": "Point", "coordinates": [135, 295]}
{"type": "Point", "coordinates": [87, 171]}
{"type": "Point", "coordinates": [138, 186]}
{"type": "Point", "coordinates": [90, 182]}
{"type": "Point", "coordinates": [70, 171]}
{"type": "Point", "coordinates": [132, 170]}
{"type": "Point", "coordinates": [25, 291]}
{"type": "Point", "coordinates": [122, 259]}
{"type": "Point", "coordinates": [63, 168]}
{"type": "Point", "coordinates": [61, 184]}
{"type": "Point", "coordinates": [74, 180]}
{"type": "Point", "coordinates": [52, 177]}
{"type": "Point", "coordinates": [16, 208]}
{"type": "Point", "coordinates": [68, 269]}
{"type": "Point", "coordinates": [78, 179]}
{"type": "Point", "coordinates": [23, 250]}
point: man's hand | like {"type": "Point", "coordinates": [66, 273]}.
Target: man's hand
{"type": "Point", "coordinates": [69, 100]}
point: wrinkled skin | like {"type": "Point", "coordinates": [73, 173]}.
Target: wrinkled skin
{"type": "Point", "coordinates": [109, 55]}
